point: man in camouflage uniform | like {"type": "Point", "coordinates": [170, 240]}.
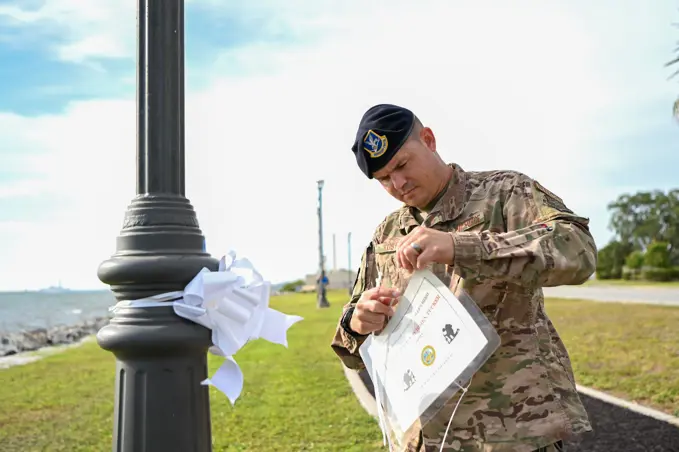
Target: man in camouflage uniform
{"type": "Point", "coordinates": [502, 237]}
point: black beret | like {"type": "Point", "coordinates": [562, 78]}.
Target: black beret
{"type": "Point", "coordinates": [382, 131]}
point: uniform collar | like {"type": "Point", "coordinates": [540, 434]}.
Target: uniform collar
{"type": "Point", "coordinates": [448, 207]}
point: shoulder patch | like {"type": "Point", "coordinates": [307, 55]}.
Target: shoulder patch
{"type": "Point", "coordinates": [550, 199]}
{"type": "Point", "coordinates": [540, 187]}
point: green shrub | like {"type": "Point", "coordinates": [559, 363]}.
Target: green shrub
{"type": "Point", "coordinates": [657, 255]}
{"type": "Point", "coordinates": [661, 274]}
{"type": "Point", "coordinates": [635, 260]}
{"type": "Point", "coordinates": [608, 273]}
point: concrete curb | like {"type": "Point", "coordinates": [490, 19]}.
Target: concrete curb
{"type": "Point", "coordinates": [632, 406]}
{"type": "Point", "coordinates": [367, 401]}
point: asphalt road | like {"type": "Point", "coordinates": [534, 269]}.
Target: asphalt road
{"type": "Point", "coordinates": [648, 295]}
{"type": "Point", "coordinates": [616, 429]}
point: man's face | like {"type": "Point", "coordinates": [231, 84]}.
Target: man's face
{"type": "Point", "coordinates": [410, 175]}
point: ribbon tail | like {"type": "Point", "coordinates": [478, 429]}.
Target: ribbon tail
{"type": "Point", "coordinates": [228, 379]}
{"type": "Point", "coordinates": [276, 325]}
{"type": "Point", "coordinates": [223, 338]}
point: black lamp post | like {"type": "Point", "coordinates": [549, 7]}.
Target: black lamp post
{"type": "Point", "coordinates": [161, 358]}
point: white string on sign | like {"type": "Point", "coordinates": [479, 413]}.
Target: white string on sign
{"type": "Point", "coordinates": [381, 417]}
{"type": "Point", "coordinates": [233, 302]}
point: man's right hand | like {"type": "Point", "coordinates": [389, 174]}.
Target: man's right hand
{"type": "Point", "coordinates": [372, 309]}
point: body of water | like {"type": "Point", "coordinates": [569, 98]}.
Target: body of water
{"type": "Point", "coordinates": [21, 311]}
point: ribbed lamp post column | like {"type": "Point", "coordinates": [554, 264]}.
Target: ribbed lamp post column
{"type": "Point", "coordinates": [161, 358]}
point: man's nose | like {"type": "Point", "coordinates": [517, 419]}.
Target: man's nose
{"type": "Point", "coordinates": [398, 181]}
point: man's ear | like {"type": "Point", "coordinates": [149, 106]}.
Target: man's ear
{"type": "Point", "coordinates": [428, 138]}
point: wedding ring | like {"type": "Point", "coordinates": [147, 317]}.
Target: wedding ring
{"type": "Point", "coordinates": [416, 247]}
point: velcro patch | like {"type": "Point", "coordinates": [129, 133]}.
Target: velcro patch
{"type": "Point", "coordinates": [541, 187]}
{"type": "Point", "coordinates": [551, 200]}
{"type": "Point", "coordinates": [387, 247]}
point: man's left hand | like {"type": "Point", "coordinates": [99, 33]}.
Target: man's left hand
{"type": "Point", "coordinates": [432, 246]}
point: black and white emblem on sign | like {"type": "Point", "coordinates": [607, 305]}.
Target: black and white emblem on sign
{"type": "Point", "coordinates": [449, 334]}
{"type": "Point", "coordinates": [408, 379]}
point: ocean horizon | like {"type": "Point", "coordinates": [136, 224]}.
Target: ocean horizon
{"type": "Point", "coordinates": [26, 310]}
{"type": "Point", "coordinates": [34, 309]}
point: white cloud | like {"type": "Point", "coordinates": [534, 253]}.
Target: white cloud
{"type": "Point", "coordinates": [82, 29]}
{"type": "Point", "coordinates": [502, 87]}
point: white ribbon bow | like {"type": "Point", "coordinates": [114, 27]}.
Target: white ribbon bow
{"type": "Point", "coordinates": [233, 302]}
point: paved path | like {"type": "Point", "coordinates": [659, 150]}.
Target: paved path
{"type": "Point", "coordinates": [616, 429]}
{"type": "Point", "coordinates": [648, 295]}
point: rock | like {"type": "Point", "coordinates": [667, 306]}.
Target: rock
{"type": "Point", "coordinates": [24, 341]}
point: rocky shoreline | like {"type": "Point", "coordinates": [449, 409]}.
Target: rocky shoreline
{"type": "Point", "coordinates": [26, 341]}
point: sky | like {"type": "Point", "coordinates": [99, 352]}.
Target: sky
{"type": "Point", "coordinates": [573, 93]}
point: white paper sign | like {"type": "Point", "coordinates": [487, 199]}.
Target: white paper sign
{"type": "Point", "coordinates": [429, 342]}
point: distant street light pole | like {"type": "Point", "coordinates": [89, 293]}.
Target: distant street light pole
{"type": "Point", "coordinates": [322, 300]}
{"type": "Point", "coordinates": [334, 253]}
{"type": "Point", "coordinates": [349, 264]}
{"type": "Point", "coordinates": [161, 358]}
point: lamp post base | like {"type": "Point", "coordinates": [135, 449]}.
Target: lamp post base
{"type": "Point", "coordinates": [161, 360]}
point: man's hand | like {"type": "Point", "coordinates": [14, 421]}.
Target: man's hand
{"type": "Point", "coordinates": [433, 246]}
{"type": "Point", "coordinates": [372, 309]}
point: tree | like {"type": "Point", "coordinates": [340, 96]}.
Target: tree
{"type": "Point", "coordinates": [292, 286]}
{"type": "Point", "coordinates": [657, 255]}
{"type": "Point", "coordinates": [611, 259]}
{"type": "Point", "coordinates": [635, 260]}
{"type": "Point", "coordinates": [633, 263]}
{"type": "Point", "coordinates": [642, 218]}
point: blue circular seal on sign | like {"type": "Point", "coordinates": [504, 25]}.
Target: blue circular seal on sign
{"type": "Point", "coordinates": [428, 355]}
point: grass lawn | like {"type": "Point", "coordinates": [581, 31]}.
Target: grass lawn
{"type": "Point", "coordinates": [293, 399]}
{"type": "Point", "coordinates": [64, 402]}
{"type": "Point", "coordinates": [628, 350]}
{"type": "Point", "coordinates": [623, 282]}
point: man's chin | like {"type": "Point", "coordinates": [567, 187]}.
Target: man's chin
{"type": "Point", "coordinates": [413, 201]}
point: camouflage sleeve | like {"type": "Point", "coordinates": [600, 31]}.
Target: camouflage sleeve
{"type": "Point", "coordinates": [345, 343]}
{"type": "Point", "coordinates": [546, 244]}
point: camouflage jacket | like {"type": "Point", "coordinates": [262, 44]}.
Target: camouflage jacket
{"type": "Point", "coordinates": [512, 237]}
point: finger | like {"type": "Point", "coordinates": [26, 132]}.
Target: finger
{"type": "Point", "coordinates": [424, 259]}
{"type": "Point", "coordinates": [376, 307]}
{"type": "Point", "coordinates": [416, 235]}
{"type": "Point", "coordinates": [391, 302]}
{"type": "Point", "coordinates": [366, 328]}
{"type": "Point", "coordinates": [369, 316]}
{"type": "Point", "coordinates": [367, 321]}
{"type": "Point", "coordinates": [402, 255]}
{"type": "Point", "coordinates": [387, 300]}
{"type": "Point", "coordinates": [410, 256]}
{"type": "Point", "coordinates": [370, 319]}
{"type": "Point", "coordinates": [404, 243]}
{"type": "Point", "coordinates": [377, 292]}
